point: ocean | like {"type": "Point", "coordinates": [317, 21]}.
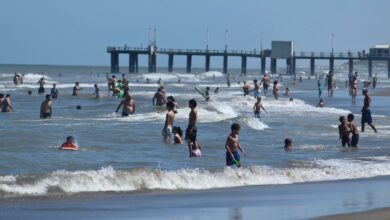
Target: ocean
{"type": "Point", "coordinates": [127, 154]}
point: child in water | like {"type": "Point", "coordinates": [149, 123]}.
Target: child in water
{"type": "Point", "coordinates": [193, 146]}
{"type": "Point", "coordinates": [287, 144]}
{"type": "Point", "coordinates": [232, 146]}
{"type": "Point", "coordinates": [344, 131]}
{"type": "Point", "coordinates": [178, 134]}
{"type": "Point", "coordinates": [257, 107]}
{"type": "Point", "coordinates": [354, 130]}
{"type": "Point", "coordinates": [69, 144]}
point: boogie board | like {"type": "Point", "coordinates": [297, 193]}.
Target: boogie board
{"type": "Point", "coordinates": [201, 93]}
{"type": "Point", "coordinates": [68, 147]}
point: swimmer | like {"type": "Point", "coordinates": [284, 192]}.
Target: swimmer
{"type": "Point", "coordinates": [344, 131]}
{"type": "Point", "coordinates": [207, 93]}
{"type": "Point", "coordinates": [169, 118]}
{"type": "Point", "coordinates": [128, 106]}
{"type": "Point", "coordinates": [97, 91]}
{"type": "Point", "coordinates": [54, 92]}
{"type": "Point", "coordinates": [287, 92]}
{"type": "Point", "coordinates": [216, 91]}
{"type": "Point", "coordinates": [321, 103]}
{"type": "Point", "coordinates": [46, 108]}
{"type": "Point", "coordinates": [232, 146]}
{"type": "Point", "coordinates": [257, 89]}
{"type": "Point", "coordinates": [6, 104]}
{"type": "Point", "coordinates": [319, 89]}
{"type": "Point", "coordinates": [194, 147]}
{"type": "Point", "coordinates": [29, 92]}
{"type": "Point", "coordinates": [288, 144]}
{"type": "Point", "coordinates": [246, 88]}
{"type": "Point", "coordinates": [228, 80]}
{"type": "Point", "coordinates": [192, 119]}
{"type": "Point", "coordinates": [76, 88]}
{"type": "Point", "coordinates": [265, 81]}
{"type": "Point", "coordinates": [159, 96]}
{"type": "Point", "coordinates": [177, 135]}
{"type": "Point", "coordinates": [276, 90]}
{"type": "Point", "coordinates": [78, 107]}
{"type": "Point", "coordinates": [257, 108]}
{"type": "Point", "coordinates": [69, 144]}
{"type": "Point", "coordinates": [171, 99]}
{"type": "Point", "coordinates": [41, 82]}
{"type": "Point", "coordinates": [366, 112]}
{"type": "Point", "coordinates": [354, 130]}
{"type": "Point", "coordinates": [354, 89]}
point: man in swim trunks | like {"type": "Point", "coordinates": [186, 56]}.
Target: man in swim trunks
{"type": "Point", "coordinates": [6, 104]}
{"type": "Point", "coordinates": [97, 91]}
{"type": "Point", "coordinates": [128, 106]}
{"type": "Point", "coordinates": [329, 81]}
{"type": "Point", "coordinates": [257, 89]}
{"type": "Point", "coordinates": [232, 146]}
{"type": "Point", "coordinates": [170, 116]}
{"type": "Point", "coordinates": [354, 89]}
{"type": "Point", "coordinates": [193, 117]}
{"type": "Point", "coordinates": [344, 132]}
{"type": "Point", "coordinates": [46, 108]}
{"type": "Point", "coordinates": [41, 82]}
{"type": "Point", "coordinates": [265, 81]}
{"type": "Point", "coordinates": [366, 112]}
{"type": "Point", "coordinates": [257, 107]}
{"type": "Point", "coordinates": [276, 90]}
{"type": "Point", "coordinates": [54, 92]}
{"type": "Point", "coordinates": [159, 96]}
{"type": "Point", "coordinates": [246, 88]}
{"type": "Point", "coordinates": [354, 130]}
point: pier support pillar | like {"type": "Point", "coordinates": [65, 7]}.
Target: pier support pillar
{"type": "Point", "coordinates": [136, 63]}
{"type": "Point", "coordinates": [132, 62]}
{"type": "Point", "coordinates": [189, 60]}
{"type": "Point", "coordinates": [388, 68]}
{"type": "Point", "coordinates": [170, 63]}
{"type": "Point", "coordinates": [207, 65]}
{"type": "Point", "coordinates": [370, 68]}
{"type": "Point", "coordinates": [152, 63]}
{"type": "Point", "coordinates": [262, 67]}
{"type": "Point", "coordinates": [312, 66]}
{"type": "Point", "coordinates": [331, 64]}
{"type": "Point", "coordinates": [273, 65]}
{"type": "Point", "coordinates": [293, 66]}
{"type": "Point", "coordinates": [225, 63]}
{"type": "Point", "coordinates": [350, 65]}
{"type": "Point", "coordinates": [243, 64]}
{"type": "Point", "coordinates": [114, 62]}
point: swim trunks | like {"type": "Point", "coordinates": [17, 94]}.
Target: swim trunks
{"type": "Point", "coordinates": [125, 114]}
{"type": "Point", "coordinates": [41, 90]}
{"type": "Point", "coordinates": [196, 153]}
{"type": "Point", "coordinates": [190, 129]}
{"type": "Point", "coordinates": [46, 115]}
{"type": "Point", "coordinates": [167, 133]}
{"type": "Point", "coordinates": [229, 160]}
{"type": "Point", "coordinates": [345, 141]}
{"type": "Point", "coordinates": [355, 140]}
{"type": "Point", "coordinates": [257, 114]}
{"type": "Point", "coordinates": [366, 116]}
{"type": "Point", "coordinates": [256, 93]}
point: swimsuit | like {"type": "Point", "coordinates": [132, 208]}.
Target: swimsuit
{"type": "Point", "coordinates": [355, 140]}
{"type": "Point", "coordinates": [257, 114]}
{"type": "Point", "coordinates": [366, 116]}
{"type": "Point", "coordinates": [46, 115]}
{"type": "Point", "coordinates": [125, 114]}
{"type": "Point", "coordinates": [190, 128]}
{"type": "Point", "coordinates": [41, 90]}
{"type": "Point", "coordinates": [229, 160]}
{"type": "Point", "coordinates": [196, 153]}
{"type": "Point", "coordinates": [167, 133]}
{"type": "Point", "coordinates": [345, 141]}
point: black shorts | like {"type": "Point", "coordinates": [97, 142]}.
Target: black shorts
{"type": "Point", "coordinates": [189, 130]}
{"type": "Point", "coordinates": [355, 140]}
{"type": "Point", "coordinates": [46, 115]}
{"type": "Point", "coordinates": [41, 90]}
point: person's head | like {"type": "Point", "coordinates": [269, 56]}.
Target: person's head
{"type": "Point", "coordinates": [69, 139]}
{"type": "Point", "coordinates": [113, 76]}
{"type": "Point", "coordinates": [77, 83]}
{"type": "Point", "coordinates": [287, 89]}
{"type": "Point", "coordinates": [244, 82]}
{"type": "Point", "coordinates": [128, 96]}
{"type": "Point", "coordinates": [177, 130]}
{"type": "Point", "coordinates": [123, 75]}
{"type": "Point", "coordinates": [29, 92]}
{"type": "Point", "coordinates": [321, 100]}
{"type": "Point", "coordinates": [350, 117]}
{"type": "Point", "coordinates": [275, 82]}
{"type": "Point", "coordinates": [96, 85]}
{"type": "Point", "coordinates": [78, 107]}
{"type": "Point", "coordinates": [259, 99]}
{"type": "Point", "coordinates": [235, 128]}
{"type": "Point", "coordinates": [365, 91]}
{"type": "Point", "coordinates": [342, 119]}
{"type": "Point", "coordinates": [7, 96]}
{"type": "Point", "coordinates": [291, 99]}
{"type": "Point", "coordinates": [170, 105]}
{"type": "Point", "coordinates": [170, 98]}
{"type": "Point", "coordinates": [265, 75]}
{"type": "Point", "coordinates": [192, 103]}
{"type": "Point", "coordinates": [255, 81]}
{"type": "Point", "coordinates": [54, 85]}
{"type": "Point", "coordinates": [287, 143]}
{"type": "Point", "coordinates": [207, 88]}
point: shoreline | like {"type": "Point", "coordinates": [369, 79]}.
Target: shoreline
{"type": "Point", "coordinates": [291, 201]}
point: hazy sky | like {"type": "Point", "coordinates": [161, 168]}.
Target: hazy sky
{"type": "Point", "coordinates": [78, 31]}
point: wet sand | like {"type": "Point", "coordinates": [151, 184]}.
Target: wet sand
{"type": "Point", "coordinates": [295, 201]}
{"type": "Point", "coordinates": [378, 214]}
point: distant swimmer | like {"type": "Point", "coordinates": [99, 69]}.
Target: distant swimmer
{"type": "Point", "coordinates": [329, 82]}
{"type": "Point", "coordinates": [257, 89]}
{"type": "Point", "coordinates": [159, 82]}
{"type": "Point", "coordinates": [41, 83]}
{"type": "Point", "coordinates": [169, 118]}
{"type": "Point", "coordinates": [354, 130]}
{"type": "Point", "coordinates": [276, 90]}
{"type": "Point", "coordinates": [207, 93]}
{"type": "Point", "coordinates": [69, 144]}
{"type": "Point", "coordinates": [128, 106]}
{"type": "Point", "coordinates": [257, 108]}
{"type": "Point", "coordinates": [246, 88]}
{"type": "Point", "coordinates": [177, 135]}
{"type": "Point", "coordinates": [194, 147]}
{"type": "Point", "coordinates": [319, 89]}
{"type": "Point", "coordinates": [228, 80]}
{"type": "Point", "coordinates": [232, 146]}
{"type": "Point", "coordinates": [29, 92]}
{"type": "Point", "coordinates": [354, 89]}
{"type": "Point", "coordinates": [321, 103]}
{"type": "Point", "coordinates": [97, 92]}
{"type": "Point", "coordinates": [6, 104]}
{"type": "Point", "coordinates": [76, 88]}
{"type": "Point", "coordinates": [366, 112]}
{"type": "Point", "coordinates": [193, 117]}
{"type": "Point", "coordinates": [147, 81]}
{"type": "Point", "coordinates": [54, 92]}
{"type": "Point", "coordinates": [288, 144]}
{"type": "Point", "coordinates": [344, 132]}
{"type": "Point", "coordinates": [287, 92]}
{"type": "Point", "coordinates": [374, 81]}
{"type": "Point", "coordinates": [46, 108]}
{"type": "Point", "coordinates": [265, 81]}
{"type": "Point", "coordinates": [159, 96]}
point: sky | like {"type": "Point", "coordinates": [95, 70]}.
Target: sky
{"type": "Point", "coordinates": [77, 32]}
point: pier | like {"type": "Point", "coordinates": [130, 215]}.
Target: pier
{"type": "Point", "coordinates": [262, 56]}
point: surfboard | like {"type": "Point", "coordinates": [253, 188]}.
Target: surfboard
{"type": "Point", "coordinates": [201, 93]}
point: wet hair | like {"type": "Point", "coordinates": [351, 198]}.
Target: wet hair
{"type": "Point", "coordinates": [48, 96]}
{"type": "Point", "coordinates": [350, 117]}
{"type": "Point", "coordinates": [70, 138]}
{"type": "Point", "coordinates": [1, 95]}
{"type": "Point", "coordinates": [342, 118]}
{"type": "Point", "coordinates": [95, 85]}
{"type": "Point", "coordinates": [255, 81]}
{"type": "Point", "coordinates": [78, 107]}
{"type": "Point", "coordinates": [291, 99]}
{"type": "Point", "coordinates": [259, 98]}
{"type": "Point", "coordinates": [77, 83]}
{"type": "Point", "coordinates": [287, 142]}
{"type": "Point", "coordinates": [276, 82]}
{"type": "Point", "coordinates": [177, 130]}
{"type": "Point", "coordinates": [170, 98]}
{"type": "Point", "coordinates": [29, 92]}
{"type": "Point", "coordinates": [170, 105]}
{"type": "Point", "coordinates": [192, 103]}
{"type": "Point", "coordinates": [235, 126]}
{"type": "Point", "coordinates": [207, 88]}
{"type": "Point", "coordinates": [8, 95]}
{"type": "Point", "coordinates": [54, 84]}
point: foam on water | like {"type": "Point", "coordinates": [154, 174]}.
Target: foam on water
{"type": "Point", "coordinates": [255, 123]}
{"type": "Point", "coordinates": [108, 179]}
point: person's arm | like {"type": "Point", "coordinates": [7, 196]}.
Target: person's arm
{"type": "Point", "coordinates": [264, 109]}
{"type": "Point", "coordinates": [50, 108]}
{"type": "Point", "coordinates": [241, 149]}
{"type": "Point", "coordinates": [133, 107]}
{"type": "Point", "coordinates": [120, 104]}
{"type": "Point", "coordinates": [339, 132]}
{"type": "Point", "coordinates": [228, 148]}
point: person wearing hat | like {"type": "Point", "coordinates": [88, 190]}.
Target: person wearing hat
{"type": "Point", "coordinates": [46, 108]}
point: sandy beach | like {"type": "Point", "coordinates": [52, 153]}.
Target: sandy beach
{"type": "Point", "coordinates": [295, 201]}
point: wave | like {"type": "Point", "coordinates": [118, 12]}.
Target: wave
{"type": "Point", "coordinates": [255, 123]}
{"type": "Point", "coordinates": [108, 179]}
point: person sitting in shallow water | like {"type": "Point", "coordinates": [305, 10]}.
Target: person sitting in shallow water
{"type": "Point", "coordinates": [288, 144]}
{"type": "Point", "coordinates": [321, 103]}
{"type": "Point", "coordinates": [178, 134]}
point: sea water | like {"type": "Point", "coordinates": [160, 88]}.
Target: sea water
{"type": "Point", "coordinates": [128, 154]}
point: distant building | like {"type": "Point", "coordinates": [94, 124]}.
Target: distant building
{"type": "Point", "coordinates": [380, 51]}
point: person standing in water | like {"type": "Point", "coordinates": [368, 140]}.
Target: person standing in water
{"type": "Point", "coordinates": [128, 106]}
{"type": "Point", "coordinates": [354, 89]}
{"type": "Point", "coordinates": [246, 88]}
{"type": "Point", "coordinates": [354, 130]}
{"type": "Point", "coordinates": [344, 131]}
{"type": "Point", "coordinates": [169, 118]}
{"type": "Point", "coordinates": [41, 83]}
{"type": "Point", "coordinates": [159, 96]}
{"type": "Point", "coordinates": [76, 88]}
{"type": "Point", "coordinates": [257, 107]}
{"type": "Point", "coordinates": [46, 108]}
{"type": "Point", "coordinates": [192, 119]}
{"type": "Point", "coordinates": [276, 90]}
{"type": "Point", "coordinates": [319, 89]}
{"type": "Point", "coordinates": [366, 112]}
{"type": "Point", "coordinates": [228, 80]}
{"type": "Point", "coordinates": [257, 89]}
{"type": "Point", "coordinates": [54, 92]}
{"type": "Point", "coordinates": [329, 81]}
{"type": "Point", "coordinates": [232, 146]}
{"type": "Point", "coordinates": [97, 91]}
{"type": "Point", "coordinates": [265, 81]}
{"type": "Point", "coordinates": [6, 104]}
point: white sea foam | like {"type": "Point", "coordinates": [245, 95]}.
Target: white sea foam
{"type": "Point", "coordinates": [108, 179]}
{"type": "Point", "coordinates": [255, 123]}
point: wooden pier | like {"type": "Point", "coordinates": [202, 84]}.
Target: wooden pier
{"type": "Point", "coordinates": [152, 53]}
